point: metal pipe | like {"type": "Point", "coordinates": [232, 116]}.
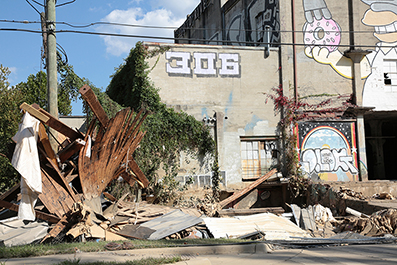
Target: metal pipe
{"type": "Point", "coordinates": [294, 52]}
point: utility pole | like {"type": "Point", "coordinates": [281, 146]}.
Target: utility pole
{"type": "Point", "coordinates": [51, 58]}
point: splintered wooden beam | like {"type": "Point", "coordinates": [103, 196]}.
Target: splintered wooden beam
{"type": "Point", "coordinates": [128, 178]}
{"type": "Point", "coordinates": [60, 225]}
{"type": "Point", "coordinates": [70, 150]}
{"type": "Point", "coordinates": [108, 153]}
{"type": "Point", "coordinates": [43, 138]}
{"type": "Point", "coordinates": [34, 112]}
{"type": "Point", "coordinates": [57, 124]}
{"type": "Point", "coordinates": [54, 197]}
{"type": "Point", "coordinates": [247, 189]}
{"type": "Point", "coordinates": [43, 216]}
{"type": "Point", "coordinates": [11, 193]}
{"type": "Point", "coordinates": [116, 140]}
{"type": "Point", "coordinates": [92, 101]}
{"type": "Point", "coordinates": [138, 173]}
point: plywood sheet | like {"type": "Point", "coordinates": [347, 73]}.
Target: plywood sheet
{"type": "Point", "coordinates": [273, 226]}
{"type": "Point", "coordinates": [171, 223]}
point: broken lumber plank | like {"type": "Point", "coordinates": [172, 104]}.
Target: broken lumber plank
{"type": "Point", "coordinates": [58, 125]}
{"type": "Point", "coordinates": [58, 174]}
{"type": "Point", "coordinates": [92, 101]}
{"type": "Point", "coordinates": [247, 189]}
{"type": "Point", "coordinates": [43, 138]}
{"type": "Point", "coordinates": [43, 216]}
{"type": "Point", "coordinates": [128, 178]}
{"type": "Point", "coordinates": [237, 212]}
{"type": "Point", "coordinates": [70, 150]}
{"type": "Point", "coordinates": [70, 177]}
{"type": "Point", "coordinates": [57, 229]}
{"type": "Point", "coordinates": [11, 193]}
{"type": "Point", "coordinates": [109, 196]}
{"type": "Point", "coordinates": [132, 174]}
{"type": "Point", "coordinates": [34, 112]}
{"type": "Point", "coordinates": [138, 173]}
{"type": "Point", "coordinates": [55, 198]}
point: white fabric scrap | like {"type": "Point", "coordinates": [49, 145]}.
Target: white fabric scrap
{"type": "Point", "coordinates": [26, 161]}
{"type": "Point", "coordinates": [88, 152]}
{"type": "Point", "coordinates": [323, 214]}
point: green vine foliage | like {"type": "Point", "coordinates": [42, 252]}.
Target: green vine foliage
{"type": "Point", "coordinates": [168, 132]}
{"type": "Point", "coordinates": [10, 116]}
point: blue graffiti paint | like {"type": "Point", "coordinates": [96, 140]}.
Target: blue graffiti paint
{"type": "Point", "coordinates": [229, 103]}
{"type": "Point", "coordinates": [250, 126]}
{"type": "Point", "coordinates": [204, 112]}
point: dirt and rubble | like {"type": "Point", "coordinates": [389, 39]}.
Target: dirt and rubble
{"type": "Point", "coordinates": [73, 201]}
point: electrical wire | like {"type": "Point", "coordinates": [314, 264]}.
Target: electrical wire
{"type": "Point", "coordinates": [164, 27]}
{"type": "Point", "coordinates": [223, 42]}
{"type": "Point", "coordinates": [33, 6]}
{"type": "Point", "coordinates": [66, 3]}
{"type": "Point", "coordinates": [62, 50]}
{"type": "Point", "coordinates": [38, 3]}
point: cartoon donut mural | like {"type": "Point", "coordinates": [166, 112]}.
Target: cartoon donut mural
{"type": "Point", "coordinates": [324, 33]}
{"type": "Point", "coordinates": [320, 29]}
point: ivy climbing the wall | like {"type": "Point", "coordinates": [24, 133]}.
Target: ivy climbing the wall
{"type": "Point", "coordinates": [168, 132]}
{"type": "Point", "coordinates": [292, 111]}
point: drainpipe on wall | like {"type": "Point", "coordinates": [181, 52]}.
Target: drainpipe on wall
{"type": "Point", "coordinates": [294, 51]}
{"type": "Point", "coordinates": [223, 25]}
{"type": "Point", "coordinates": [267, 41]}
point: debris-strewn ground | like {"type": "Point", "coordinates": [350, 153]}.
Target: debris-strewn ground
{"type": "Point", "coordinates": [378, 224]}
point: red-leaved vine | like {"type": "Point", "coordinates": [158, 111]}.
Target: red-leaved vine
{"type": "Point", "coordinates": [291, 111]}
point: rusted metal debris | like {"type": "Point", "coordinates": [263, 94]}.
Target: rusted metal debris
{"type": "Point", "coordinates": [89, 161]}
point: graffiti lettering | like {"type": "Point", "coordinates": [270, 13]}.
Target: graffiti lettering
{"type": "Point", "coordinates": [205, 64]}
{"type": "Point", "coordinates": [250, 23]}
{"type": "Point", "coordinates": [327, 160]}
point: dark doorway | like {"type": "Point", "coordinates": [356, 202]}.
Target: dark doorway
{"type": "Point", "coordinates": [381, 144]}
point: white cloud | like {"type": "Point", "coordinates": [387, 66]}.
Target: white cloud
{"type": "Point", "coordinates": [13, 77]}
{"type": "Point", "coordinates": [170, 13]}
{"type": "Point", "coordinates": [13, 69]}
{"type": "Point", "coordinates": [179, 8]}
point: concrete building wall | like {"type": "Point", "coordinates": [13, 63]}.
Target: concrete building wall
{"type": "Point", "coordinates": [225, 83]}
{"type": "Point", "coordinates": [363, 62]}
{"type": "Point", "coordinates": [344, 51]}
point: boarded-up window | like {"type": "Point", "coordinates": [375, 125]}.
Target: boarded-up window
{"type": "Point", "coordinates": [258, 156]}
{"type": "Point", "coordinates": [390, 75]}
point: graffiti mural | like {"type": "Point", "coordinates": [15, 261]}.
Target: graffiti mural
{"type": "Point", "coordinates": [321, 35]}
{"type": "Point", "coordinates": [327, 150]}
{"type": "Point", "coordinates": [179, 64]}
{"type": "Point", "coordinates": [249, 25]}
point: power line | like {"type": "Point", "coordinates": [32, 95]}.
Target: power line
{"type": "Point", "coordinates": [66, 3]}
{"type": "Point", "coordinates": [184, 39]}
{"type": "Point", "coordinates": [38, 3]}
{"type": "Point", "coordinates": [33, 6]}
{"type": "Point", "coordinates": [166, 27]}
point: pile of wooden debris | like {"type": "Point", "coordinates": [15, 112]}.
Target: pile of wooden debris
{"type": "Point", "coordinates": [345, 193]}
{"type": "Point", "coordinates": [74, 178]}
{"type": "Point", "coordinates": [378, 224]}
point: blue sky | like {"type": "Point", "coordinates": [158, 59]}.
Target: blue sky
{"type": "Point", "coordinates": [93, 57]}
